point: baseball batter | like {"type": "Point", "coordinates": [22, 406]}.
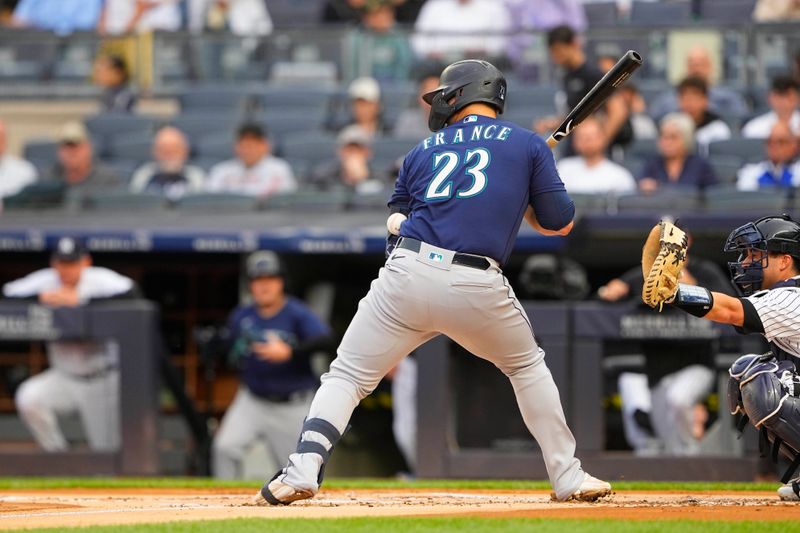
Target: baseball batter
{"type": "Point", "coordinates": [457, 207]}
{"type": "Point", "coordinates": [84, 375]}
{"type": "Point", "coordinates": [762, 388]}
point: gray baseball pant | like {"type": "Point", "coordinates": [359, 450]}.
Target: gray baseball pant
{"type": "Point", "coordinates": [251, 419]}
{"type": "Point", "coordinates": [416, 297]}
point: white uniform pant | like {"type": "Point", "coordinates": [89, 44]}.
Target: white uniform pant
{"type": "Point", "coordinates": [251, 419]}
{"type": "Point", "coordinates": [671, 404]}
{"type": "Point", "coordinates": [41, 398]}
{"type": "Point", "coordinates": [415, 298]}
{"type": "Point", "coordinates": [404, 410]}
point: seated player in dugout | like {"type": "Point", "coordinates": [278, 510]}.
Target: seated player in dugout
{"type": "Point", "coordinates": [763, 389]}
{"type": "Point", "coordinates": [83, 375]}
{"type": "Point", "coordinates": [271, 341]}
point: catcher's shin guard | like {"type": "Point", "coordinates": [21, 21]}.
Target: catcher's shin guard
{"type": "Point", "coordinates": [769, 397]}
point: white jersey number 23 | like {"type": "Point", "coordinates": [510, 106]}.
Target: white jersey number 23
{"type": "Point", "coordinates": [445, 163]}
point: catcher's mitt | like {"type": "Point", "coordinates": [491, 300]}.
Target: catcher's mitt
{"type": "Point", "coordinates": [663, 257]}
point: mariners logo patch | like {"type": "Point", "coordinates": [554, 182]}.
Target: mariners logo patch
{"type": "Point", "coordinates": [433, 256]}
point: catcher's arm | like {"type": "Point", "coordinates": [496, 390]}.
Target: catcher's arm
{"type": "Point", "coordinates": [716, 306]}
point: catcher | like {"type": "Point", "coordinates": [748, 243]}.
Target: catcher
{"type": "Point", "coordinates": [763, 389]}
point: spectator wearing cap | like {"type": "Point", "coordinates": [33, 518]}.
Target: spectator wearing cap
{"type": "Point", "coordinates": [169, 174]}
{"type": "Point", "coordinates": [127, 16]}
{"type": "Point", "coordinates": [676, 163]}
{"type": "Point", "coordinates": [15, 173]}
{"type": "Point", "coordinates": [254, 171]}
{"type": "Point", "coordinates": [271, 342]}
{"type": "Point", "coordinates": [721, 99]}
{"type": "Point", "coordinates": [76, 170]}
{"type": "Point", "coordinates": [59, 16]}
{"type": "Point", "coordinates": [111, 73]}
{"type": "Point", "coordinates": [784, 103]}
{"type": "Point", "coordinates": [352, 169]}
{"type": "Point", "coordinates": [343, 11]}
{"type": "Point", "coordinates": [366, 109]}
{"type": "Point", "coordinates": [376, 48]}
{"type": "Point", "coordinates": [708, 126]}
{"type": "Point", "coordinates": [780, 169]}
{"type": "Point", "coordinates": [83, 376]}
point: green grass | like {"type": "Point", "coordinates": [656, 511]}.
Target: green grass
{"type": "Point", "coordinates": [10, 483]}
{"type": "Point", "coordinates": [444, 525]}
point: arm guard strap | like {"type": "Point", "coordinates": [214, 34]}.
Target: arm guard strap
{"type": "Point", "coordinates": [695, 300]}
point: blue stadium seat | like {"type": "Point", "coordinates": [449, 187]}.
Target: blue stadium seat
{"type": "Point", "coordinates": [312, 149]}
{"type": "Point", "coordinates": [532, 97]}
{"type": "Point", "coordinates": [214, 98]}
{"type": "Point", "coordinates": [198, 125]}
{"type": "Point", "coordinates": [664, 201]}
{"type": "Point", "coordinates": [750, 150]}
{"type": "Point", "coordinates": [219, 147]}
{"type": "Point", "coordinates": [390, 149]}
{"type": "Point", "coordinates": [295, 13]}
{"type": "Point", "coordinates": [134, 148]}
{"type": "Point", "coordinates": [660, 13]}
{"type": "Point", "coordinates": [727, 198]}
{"type": "Point", "coordinates": [106, 128]}
{"type": "Point", "coordinates": [726, 167]}
{"type": "Point", "coordinates": [125, 201]}
{"type": "Point", "coordinates": [282, 124]}
{"type": "Point", "coordinates": [601, 13]}
{"type": "Point", "coordinates": [43, 153]}
{"type": "Point", "coordinates": [727, 11]}
{"type": "Point", "coordinates": [217, 202]}
{"type": "Point", "coordinates": [642, 148]}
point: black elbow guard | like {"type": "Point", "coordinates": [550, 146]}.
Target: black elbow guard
{"type": "Point", "coordinates": [399, 208]}
{"type": "Point", "coordinates": [696, 301]}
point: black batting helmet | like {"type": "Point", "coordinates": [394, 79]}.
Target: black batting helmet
{"type": "Point", "coordinates": [264, 264]}
{"type": "Point", "coordinates": [773, 234]}
{"type": "Point", "coordinates": [465, 82]}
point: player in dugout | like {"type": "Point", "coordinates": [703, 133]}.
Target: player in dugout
{"type": "Point", "coordinates": [83, 376]}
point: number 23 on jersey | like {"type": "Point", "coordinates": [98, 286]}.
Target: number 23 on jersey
{"type": "Point", "coordinates": [448, 165]}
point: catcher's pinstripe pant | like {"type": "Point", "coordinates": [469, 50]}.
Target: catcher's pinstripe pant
{"type": "Point", "coordinates": [416, 297]}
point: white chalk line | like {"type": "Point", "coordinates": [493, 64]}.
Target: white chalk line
{"type": "Point", "coordinates": [111, 511]}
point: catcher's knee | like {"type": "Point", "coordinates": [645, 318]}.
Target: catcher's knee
{"type": "Point", "coordinates": [770, 392]}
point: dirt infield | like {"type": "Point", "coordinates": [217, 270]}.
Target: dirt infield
{"type": "Point", "coordinates": [87, 507]}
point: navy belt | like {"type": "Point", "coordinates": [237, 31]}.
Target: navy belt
{"type": "Point", "coordinates": [473, 261]}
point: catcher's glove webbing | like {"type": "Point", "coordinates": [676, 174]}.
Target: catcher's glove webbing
{"type": "Point", "coordinates": [663, 257]}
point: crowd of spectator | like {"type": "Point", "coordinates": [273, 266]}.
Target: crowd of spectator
{"type": "Point", "coordinates": [639, 143]}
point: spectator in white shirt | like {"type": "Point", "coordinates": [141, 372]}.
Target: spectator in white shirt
{"type": "Point", "coordinates": [693, 100]}
{"type": "Point", "coordinates": [455, 29]}
{"type": "Point", "coordinates": [168, 173]}
{"type": "Point", "coordinates": [128, 16]}
{"type": "Point", "coordinates": [784, 100]}
{"type": "Point", "coordinates": [780, 169]}
{"type": "Point", "coordinates": [255, 171]}
{"type": "Point", "coordinates": [590, 172]}
{"type": "Point", "coordinates": [15, 173]}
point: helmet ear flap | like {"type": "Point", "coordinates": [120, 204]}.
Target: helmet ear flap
{"type": "Point", "coordinates": [440, 112]}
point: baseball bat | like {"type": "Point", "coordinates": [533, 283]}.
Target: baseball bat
{"type": "Point", "coordinates": [615, 77]}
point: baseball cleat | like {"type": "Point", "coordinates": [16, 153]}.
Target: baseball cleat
{"type": "Point", "coordinates": [276, 492]}
{"type": "Point", "coordinates": [791, 491]}
{"type": "Point", "coordinates": [590, 490]}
